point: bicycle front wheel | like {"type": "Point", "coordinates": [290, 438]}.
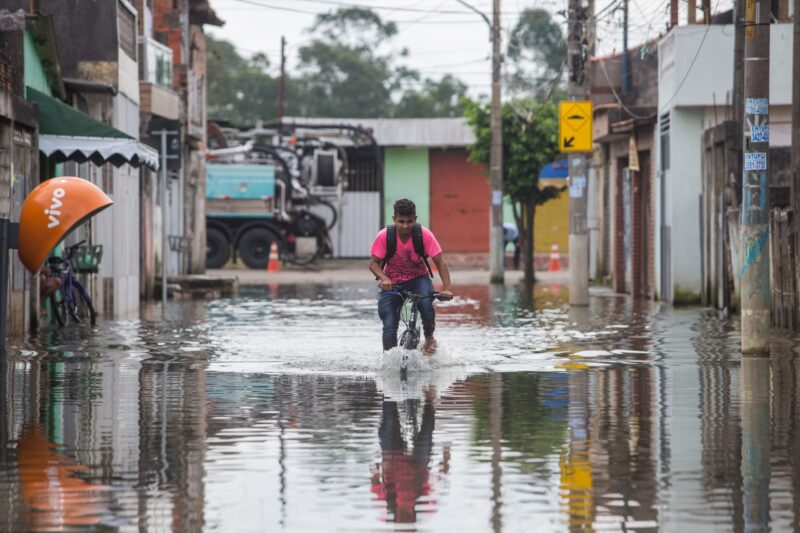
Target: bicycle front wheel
{"type": "Point", "coordinates": [409, 340]}
{"type": "Point", "coordinates": [83, 307]}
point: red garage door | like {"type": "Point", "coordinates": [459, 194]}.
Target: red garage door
{"type": "Point", "coordinates": [459, 211]}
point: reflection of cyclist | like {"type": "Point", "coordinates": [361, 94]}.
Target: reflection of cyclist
{"type": "Point", "coordinates": [404, 475]}
{"type": "Point", "coordinates": [399, 259]}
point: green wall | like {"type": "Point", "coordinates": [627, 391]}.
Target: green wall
{"type": "Point", "coordinates": [34, 73]}
{"type": "Point", "coordinates": [407, 175]}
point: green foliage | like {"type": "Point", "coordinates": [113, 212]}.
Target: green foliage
{"type": "Point", "coordinates": [530, 141]}
{"type": "Point", "coordinates": [536, 51]}
{"type": "Point", "coordinates": [341, 81]}
{"type": "Point", "coordinates": [442, 98]}
{"type": "Point", "coordinates": [236, 86]}
{"type": "Point", "coordinates": [354, 27]}
{"type": "Point", "coordinates": [345, 71]}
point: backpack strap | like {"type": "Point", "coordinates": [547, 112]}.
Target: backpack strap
{"type": "Point", "coordinates": [419, 246]}
{"type": "Point", "coordinates": [391, 244]}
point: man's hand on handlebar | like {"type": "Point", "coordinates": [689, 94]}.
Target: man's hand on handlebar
{"type": "Point", "coordinates": [446, 295]}
{"type": "Point", "coordinates": [385, 284]}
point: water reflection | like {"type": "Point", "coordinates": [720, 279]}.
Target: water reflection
{"type": "Point", "coordinates": [186, 425]}
{"type": "Point", "coordinates": [403, 478]}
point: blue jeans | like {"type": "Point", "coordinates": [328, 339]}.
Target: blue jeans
{"type": "Point", "coordinates": [389, 304]}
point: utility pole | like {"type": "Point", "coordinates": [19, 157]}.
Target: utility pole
{"type": "Point", "coordinates": [591, 28]}
{"type": "Point", "coordinates": [673, 13]}
{"type": "Point", "coordinates": [755, 285]}
{"type": "Point", "coordinates": [282, 82]}
{"type": "Point", "coordinates": [578, 231]}
{"type": "Point", "coordinates": [796, 113]}
{"type": "Point", "coordinates": [626, 65]}
{"type": "Point", "coordinates": [737, 100]}
{"type": "Point", "coordinates": [496, 248]}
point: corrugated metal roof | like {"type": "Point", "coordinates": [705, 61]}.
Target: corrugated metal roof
{"type": "Point", "coordinates": [405, 131]}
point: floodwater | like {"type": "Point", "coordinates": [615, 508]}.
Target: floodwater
{"type": "Point", "coordinates": [277, 411]}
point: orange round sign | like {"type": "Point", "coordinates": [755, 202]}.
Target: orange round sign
{"type": "Point", "coordinates": [51, 211]}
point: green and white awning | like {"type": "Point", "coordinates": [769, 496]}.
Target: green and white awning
{"type": "Point", "coordinates": [67, 134]}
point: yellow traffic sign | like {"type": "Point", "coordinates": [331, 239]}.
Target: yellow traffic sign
{"type": "Point", "coordinates": [575, 126]}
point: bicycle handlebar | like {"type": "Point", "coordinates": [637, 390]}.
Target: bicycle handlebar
{"type": "Point", "coordinates": [413, 296]}
{"type": "Point", "coordinates": [58, 261]}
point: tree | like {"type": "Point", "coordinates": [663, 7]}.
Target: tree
{"type": "Point", "coordinates": [344, 72]}
{"type": "Point", "coordinates": [442, 98]}
{"type": "Point", "coordinates": [239, 90]}
{"type": "Point", "coordinates": [537, 51]}
{"type": "Point", "coordinates": [530, 141]}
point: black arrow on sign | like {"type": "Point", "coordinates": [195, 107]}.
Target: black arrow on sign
{"type": "Point", "coordinates": [568, 142]}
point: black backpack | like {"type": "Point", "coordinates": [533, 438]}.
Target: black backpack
{"type": "Point", "coordinates": [416, 238]}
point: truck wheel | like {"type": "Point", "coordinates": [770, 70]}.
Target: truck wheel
{"type": "Point", "coordinates": [218, 249]}
{"type": "Point", "coordinates": [254, 247]}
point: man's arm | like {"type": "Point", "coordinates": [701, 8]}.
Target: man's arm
{"type": "Point", "coordinates": [444, 274]}
{"type": "Point", "coordinates": [375, 268]}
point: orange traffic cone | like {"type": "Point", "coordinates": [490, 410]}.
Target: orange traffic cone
{"type": "Point", "coordinates": [274, 263]}
{"type": "Point", "coordinates": [555, 259]}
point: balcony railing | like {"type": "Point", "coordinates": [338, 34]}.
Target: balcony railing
{"type": "Point", "coordinates": [155, 62]}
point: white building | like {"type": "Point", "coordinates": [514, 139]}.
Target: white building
{"type": "Point", "coordinates": [694, 88]}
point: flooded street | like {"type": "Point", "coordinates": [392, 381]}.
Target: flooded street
{"type": "Point", "coordinates": [277, 411]}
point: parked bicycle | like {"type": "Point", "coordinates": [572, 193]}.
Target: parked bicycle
{"type": "Point", "coordinates": [71, 299]}
{"type": "Point", "coordinates": [409, 339]}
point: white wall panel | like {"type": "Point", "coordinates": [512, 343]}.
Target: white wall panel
{"type": "Point", "coordinates": [360, 220]}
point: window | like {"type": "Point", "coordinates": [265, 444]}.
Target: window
{"type": "Point", "coordinates": [126, 30]}
{"type": "Point", "coordinates": [664, 136]}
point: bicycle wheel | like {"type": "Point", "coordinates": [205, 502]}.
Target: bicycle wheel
{"type": "Point", "coordinates": [82, 307]}
{"type": "Point", "coordinates": [58, 308]}
{"type": "Point", "coordinates": [409, 340]}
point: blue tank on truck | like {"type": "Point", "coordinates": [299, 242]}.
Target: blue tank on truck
{"type": "Point", "coordinates": [240, 213]}
{"type": "Point", "coordinates": [248, 209]}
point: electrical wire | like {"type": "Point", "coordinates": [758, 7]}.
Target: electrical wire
{"type": "Point", "coordinates": [616, 96]}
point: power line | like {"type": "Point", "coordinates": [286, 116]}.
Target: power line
{"type": "Point", "coordinates": [316, 13]}
{"type": "Point", "coordinates": [382, 8]}
{"type": "Point", "coordinates": [461, 64]}
{"type": "Point", "coordinates": [358, 6]}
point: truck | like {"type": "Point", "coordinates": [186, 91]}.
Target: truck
{"type": "Point", "coordinates": [281, 185]}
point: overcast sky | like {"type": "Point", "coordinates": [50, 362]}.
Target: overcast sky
{"type": "Point", "coordinates": [442, 36]}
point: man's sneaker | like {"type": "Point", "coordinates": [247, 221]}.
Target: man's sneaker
{"type": "Point", "coordinates": [430, 346]}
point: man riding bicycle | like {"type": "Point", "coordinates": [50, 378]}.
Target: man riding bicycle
{"type": "Point", "coordinates": [399, 260]}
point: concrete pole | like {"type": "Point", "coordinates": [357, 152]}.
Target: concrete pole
{"type": "Point", "coordinates": [673, 13]}
{"type": "Point", "coordinates": [796, 110]}
{"type": "Point", "coordinates": [282, 83]}
{"type": "Point", "coordinates": [756, 441]}
{"type": "Point", "coordinates": [496, 425]}
{"type": "Point", "coordinates": [164, 222]}
{"type": "Point", "coordinates": [578, 234]}
{"type": "Point", "coordinates": [626, 65]}
{"type": "Point", "coordinates": [496, 251]}
{"type": "Point", "coordinates": [738, 67]}
{"type": "Point", "coordinates": [755, 285]}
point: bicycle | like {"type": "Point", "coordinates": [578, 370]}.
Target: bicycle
{"type": "Point", "coordinates": [73, 299]}
{"type": "Point", "coordinates": [409, 339]}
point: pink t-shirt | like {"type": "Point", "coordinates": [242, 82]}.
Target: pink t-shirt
{"type": "Point", "coordinates": [405, 264]}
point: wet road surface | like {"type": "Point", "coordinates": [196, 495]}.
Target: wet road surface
{"type": "Point", "coordinates": [277, 411]}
